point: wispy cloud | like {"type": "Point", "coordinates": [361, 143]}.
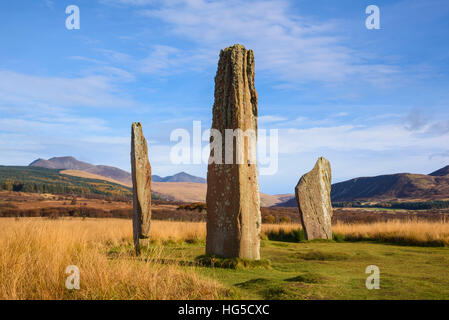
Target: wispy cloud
{"type": "Point", "coordinates": [357, 138]}
{"type": "Point", "coordinates": [270, 119]}
{"type": "Point", "coordinates": [292, 47]}
{"type": "Point", "coordinates": [90, 91]}
{"type": "Point", "coordinates": [128, 2]}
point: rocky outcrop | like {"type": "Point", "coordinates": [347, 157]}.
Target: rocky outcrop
{"type": "Point", "coordinates": [233, 200]}
{"type": "Point", "coordinates": [313, 195]}
{"type": "Point", "coordinates": [141, 177]}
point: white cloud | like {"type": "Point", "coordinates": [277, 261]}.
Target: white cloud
{"type": "Point", "coordinates": [162, 59]}
{"type": "Point", "coordinates": [292, 47]}
{"type": "Point", "coordinates": [352, 138]}
{"type": "Point", "coordinates": [41, 117]}
{"type": "Point", "coordinates": [270, 119]}
{"type": "Point", "coordinates": [89, 91]}
{"type": "Point", "coordinates": [49, 4]}
{"type": "Point", "coordinates": [115, 56]}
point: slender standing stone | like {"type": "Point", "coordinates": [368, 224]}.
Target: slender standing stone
{"type": "Point", "coordinates": [141, 176]}
{"type": "Point", "coordinates": [233, 200]}
{"type": "Point", "coordinates": [313, 194]}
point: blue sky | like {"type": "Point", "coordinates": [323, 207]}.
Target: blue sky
{"type": "Point", "coordinates": [371, 101]}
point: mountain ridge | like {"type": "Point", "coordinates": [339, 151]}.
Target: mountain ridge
{"type": "Point", "coordinates": [390, 187]}
{"type": "Point", "coordinates": [440, 172]}
{"type": "Point", "coordinates": [110, 172]}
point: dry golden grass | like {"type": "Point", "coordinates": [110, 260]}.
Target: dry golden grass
{"type": "Point", "coordinates": [269, 228]}
{"type": "Point", "coordinates": [35, 252]}
{"type": "Point", "coordinates": [413, 232]}
{"type": "Point", "coordinates": [410, 232]}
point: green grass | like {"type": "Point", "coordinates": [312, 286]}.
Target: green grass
{"type": "Point", "coordinates": [330, 270]}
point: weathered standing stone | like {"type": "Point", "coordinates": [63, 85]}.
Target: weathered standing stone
{"type": "Point", "coordinates": [313, 194]}
{"type": "Point", "coordinates": [233, 200]}
{"type": "Point", "coordinates": [141, 176]}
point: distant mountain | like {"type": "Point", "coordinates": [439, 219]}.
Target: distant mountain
{"type": "Point", "coordinates": [179, 177]}
{"type": "Point", "coordinates": [400, 186]}
{"type": "Point", "coordinates": [442, 172]}
{"type": "Point", "coordinates": [288, 203]}
{"type": "Point", "coordinates": [70, 163]}
{"type": "Point", "coordinates": [396, 186]}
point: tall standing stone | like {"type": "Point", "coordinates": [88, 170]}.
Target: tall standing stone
{"type": "Point", "coordinates": [313, 194]}
{"type": "Point", "coordinates": [141, 176]}
{"type": "Point", "coordinates": [233, 200]}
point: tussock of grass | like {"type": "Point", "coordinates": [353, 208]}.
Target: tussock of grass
{"type": "Point", "coordinates": [258, 282]}
{"type": "Point", "coordinates": [230, 263]}
{"type": "Point", "coordinates": [338, 237]}
{"type": "Point", "coordinates": [267, 288]}
{"type": "Point", "coordinates": [275, 289]}
{"type": "Point", "coordinates": [307, 278]}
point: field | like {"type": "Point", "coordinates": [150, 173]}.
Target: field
{"type": "Point", "coordinates": [23, 204]}
{"type": "Point", "coordinates": [34, 253]}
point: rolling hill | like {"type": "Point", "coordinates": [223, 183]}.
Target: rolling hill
{"type": "Point", "coordinates": [398, 187]}
{"type": "Point", "coordinates": [70, 163]}
{"type": "Point", "coordinates": [188, 188]}
{"type": "Point", "coordinates": [44, 180]}
{"type": "Point", "coordinates": [180, 191]}
{"type": "Point", "coordinates": [88, 175]}
{"type": "Point", "coordinates": [440, 173]}
{"type": "Point", "coordinates": [179, 187]}
{"type": "Point", "coordinates": [108, 172]}
{"type": "Point", "coordinates": [401, 186]}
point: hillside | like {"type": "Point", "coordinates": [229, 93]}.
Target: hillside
{"type": "Point", "coordinates": [108, 172]}
{"type": "Point", "coordinates": [196, 192]}
{"type": "Point", "coordinates": [70, 163]}
{"type": "Point", "coordinates": [403, 186]}
{"type": "Point", "coordinates": [176, 191]}
{"type": "Point", "coordinates": [43, 180]}
{"type": "Point", "coordinates": [440, 173]}
{"type": "Point", "coordinates": [397, 187]}
{"type": "Point", "coordinates": [88, 175]}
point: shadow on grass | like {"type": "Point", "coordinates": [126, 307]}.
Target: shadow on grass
{"type": "Point", "coordinates": [231, 263]}
{"type": "Point", "coordinates": [298, 236]}
{"type": "Point", "coordinates": [323, 256]}
{"type": "Point", "coordinates": [286, 236]}
{"type": "Point", "coordinates": [398, 241]}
